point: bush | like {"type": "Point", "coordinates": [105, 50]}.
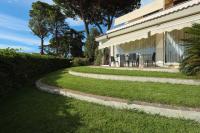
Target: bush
{"type": "Point", "coordinates": [98, 57]}
{"type": "Point", "coordinates": [16, 69]}
{"type": "Point", "coordinates": [191, 63]}
{"type": "Point", "coordinates": [80, 62]}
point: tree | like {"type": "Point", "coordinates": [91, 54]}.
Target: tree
{"type": "Point", "coordinates": [70, 43]}
{"type": "Point", "coordinates": [56, 23]}
{"type": "Point", "coordinates": [74, 8]}
{"type": "Point", "coordinates": [76, 43]}
{"type": "Point", "coordinates": [91, 45]}
{"type": "Point", "coordinates": [191, 63]}
{"type": "Point", "coordinates": [38, 22]}
{"type": "Point", "coordinates": [103, 14]}
{"type": "Point", "coordinates": [98, 12]}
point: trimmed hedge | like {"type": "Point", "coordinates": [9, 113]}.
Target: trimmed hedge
{"type": "Point", "coordinates": [17, 69]}
{"type": "Point", "coordinates": [80, 61]}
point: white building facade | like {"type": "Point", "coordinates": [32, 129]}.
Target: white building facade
{"type": "Point", "coordinates": [150, 36]}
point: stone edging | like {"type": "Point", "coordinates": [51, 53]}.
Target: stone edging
{"type": "Point", "coordinates": [168, 70]}
{"type": "Point", "coordinates": [121, 104]}
{"type": "Point", "coordinates": [136, 78]}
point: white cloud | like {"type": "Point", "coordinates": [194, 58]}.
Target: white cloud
{"type": "Point", "coordinates": [24, 40]}
{"type": "Point", "coordinates": [13, 23]}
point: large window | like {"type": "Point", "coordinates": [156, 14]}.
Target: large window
{"type": "Point", "coordinates": [174, 48]}
{"type": "Point", "coordinates": [143, 46]}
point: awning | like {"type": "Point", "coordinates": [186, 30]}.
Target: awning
{"type": "Point", "coordinates": [144, 33]}
{"type": "Point", "coordinates": [176, 8]}
{"type": "Point", "coordinates": [176, 24]}
{"type": "Point", "coordinates": [124, 39]}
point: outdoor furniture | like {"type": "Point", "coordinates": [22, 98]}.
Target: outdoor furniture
{"type": "Point", "coordinates": [127, 60]}
{"type": "Point", "coordinates": [114, 60]}
{"type": "Point", "coordinates": [133, 59]}
{"type": "Point", "coordinates": [149, 59]}
{"type": "Point", "coordinates": [117, 60]}
{"type": "Point", "coordinates": [122, 60]}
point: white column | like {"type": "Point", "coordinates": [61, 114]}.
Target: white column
{"type": "Point", "coordinates": [160, 50]}
{"type": "Point", "coordinates": [112, 54]}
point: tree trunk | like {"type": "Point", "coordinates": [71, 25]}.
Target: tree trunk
{"type": "Point", "coordinates": [109, 22]}
{"type": "Point", "coordinates": [56, 39]}
{"type": "Point", "coordinates": [83, 17]}
{"type": "Point", "coordinates": [109, 26]}
{"type": "Point", "coordinates": [100, 29]}
{"type": "Point", "coordinates": [42, 46]}
{"type": "Point", "coordinates": [86, 27]}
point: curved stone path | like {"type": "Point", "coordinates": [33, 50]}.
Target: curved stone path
{"type": "Point", "coordinates": [169, 70]}
{"type": "Point", "coordinates": [136, 78]}
{"type": "Point", "coordinates": [163, 110]}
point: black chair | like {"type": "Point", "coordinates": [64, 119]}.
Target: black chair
{"type": "Point", "coordinates": [149, 59]}
{"type": "Point", "coordinates": [137, 60]}
{"type": "Point", "coordinates": [127, 60]}
{"type": "Point", "coordinates": [133, 59]}
{"type": "Point", "coordinates": [154, 58]}
{"type": "Point", "coordinates": [122, 60]}
{"type": "Point", "coordinates": [114, 60]}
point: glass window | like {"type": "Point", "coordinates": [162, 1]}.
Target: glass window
{"type": "Point", "coordinates": [174, 48]}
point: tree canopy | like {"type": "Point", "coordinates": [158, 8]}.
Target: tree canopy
{"type": "Point", "coordinates": [56, 23]}
{"type": "Point", "coordinates": [110, 9]}
{"type": "Point", "coordinates": [97, 12]}
{"type": "Point", "coordinates": [38, 22]}
{"type": "Point", "coordinates": [70, 43]}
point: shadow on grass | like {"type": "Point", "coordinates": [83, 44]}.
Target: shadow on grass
{"type": "Point", "coordinates": [32, 111]}
{"type": "Point", "coordinates": [54, 77]}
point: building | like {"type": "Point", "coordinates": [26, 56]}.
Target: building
{"type": "Point", "coordinates": [151, 35]}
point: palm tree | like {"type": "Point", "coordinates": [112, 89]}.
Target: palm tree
{"type": "Point", "coordinates": [191, 63]}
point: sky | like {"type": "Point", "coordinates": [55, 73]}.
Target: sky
{"type": "Point", "coordinates": [14, 30]}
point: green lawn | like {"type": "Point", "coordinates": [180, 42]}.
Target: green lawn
{"type": "Point", "coordinates": [130, 72]}
{"type": "Point", "coordinates": [33, 111]}
{"type": "Point", "coordinates": [181, 95]}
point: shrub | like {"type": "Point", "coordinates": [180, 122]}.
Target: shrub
{"type": "Point", "coordinates": [98, 57]}
{"type": "Point", "coordinates": [16, 69]}
{"type": "Point", "coordinates": [80, 62]}
{"type": "Point", "coordinates": [191, 63]}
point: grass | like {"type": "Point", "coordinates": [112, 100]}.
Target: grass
{"type": "Point", "coordinates": [131, 72]}
{"type": "Point", "coordinates": [32, 111]}
{"type": "Point", "coordinates": [179, 95]}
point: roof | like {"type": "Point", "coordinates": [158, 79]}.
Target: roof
{"type": "Point", "coordinates": [157, 15]}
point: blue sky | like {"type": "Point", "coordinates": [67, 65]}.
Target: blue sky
{"type": "Point", "coordinates": [14, 31]}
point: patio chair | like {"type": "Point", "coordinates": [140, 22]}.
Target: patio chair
{"type": "Point", "coordinates": [154, 58]}
{"type": "Point", "coordinates": [149, 59]}
{"type": "Point", "coordinates": [127, 60]}
{"type": "Point", "coordinates": [122, 60]}
{"type": "Point", "coordinates": [133, 59]}
{"type": "Point", "coordinates": [114, 60]}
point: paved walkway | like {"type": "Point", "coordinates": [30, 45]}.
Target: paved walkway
{"type": "Point", "coordinates": [163, 110]}
{"type": "Point", "coordinates": [136, 78]}
{"type": "Point", "coordinates": [153, 69]}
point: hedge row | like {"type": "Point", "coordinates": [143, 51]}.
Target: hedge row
{"type": "Point", "coordinates": [16, 69]}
